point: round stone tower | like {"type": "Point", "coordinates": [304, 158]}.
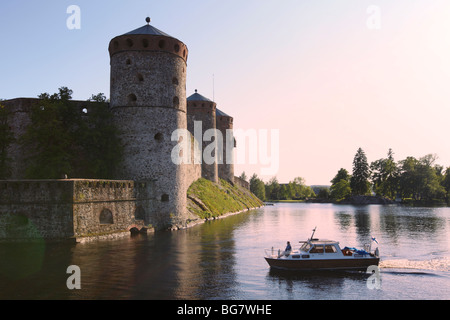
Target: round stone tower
{"type": "Point", "coordinates": [224, 123]}
{"type": "Point", "coordinates": [202, 111]}
{"type": "Point", "coordinates": [148, 102]}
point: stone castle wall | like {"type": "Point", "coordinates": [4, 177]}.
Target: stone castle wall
{"type": "Point", "coordinates": [73, 209]}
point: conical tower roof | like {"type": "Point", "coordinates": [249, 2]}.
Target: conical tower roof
{"type": "Point", "coordinates": [148, 30]}
{"type": "Point", "coordinates": [198, 97]}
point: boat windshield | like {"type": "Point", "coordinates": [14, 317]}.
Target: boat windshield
{"type": "Point", "coordinates": [305, 247]}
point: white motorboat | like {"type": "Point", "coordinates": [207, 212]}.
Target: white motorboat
{"type": "Point", "coordinates": [321, 254]}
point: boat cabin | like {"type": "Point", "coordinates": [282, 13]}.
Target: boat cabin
{"type": "Point", "coordinates": [320, 246]}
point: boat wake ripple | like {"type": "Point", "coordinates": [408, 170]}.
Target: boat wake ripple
{"type": "Point", "coordinates": [422, 266]}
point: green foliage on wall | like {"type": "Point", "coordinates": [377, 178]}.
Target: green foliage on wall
{"type": "Point", "coordinates": [64, 140]}
{"type": "Point", "coordinates": [6, 138]}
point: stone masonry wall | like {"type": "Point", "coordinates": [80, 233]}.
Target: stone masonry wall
{"type": "Point", "coordinates": [73, 209]}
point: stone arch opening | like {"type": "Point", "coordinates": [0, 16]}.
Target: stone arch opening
{"type": "Point", "coordinates": [134, 231]}
{"type": "Point", "coordinates": [106, 217]}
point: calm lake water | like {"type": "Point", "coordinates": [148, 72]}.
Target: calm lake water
{"type": "Point", "coordinates": [223, 259]}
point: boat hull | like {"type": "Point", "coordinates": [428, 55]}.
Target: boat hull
{"type": "Point", "coordinates": [323, 264]}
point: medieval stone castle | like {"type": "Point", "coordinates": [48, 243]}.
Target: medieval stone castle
{"type": "Point", "coordinates": [148, 102]}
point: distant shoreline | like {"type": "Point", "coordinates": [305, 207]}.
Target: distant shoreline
{"type": "Point", "coordinates": [368, 200]}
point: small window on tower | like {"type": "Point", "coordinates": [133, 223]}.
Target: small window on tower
{"type": "Point", "coordinates": [130, 42]}
{"type": "Point", "coordinates": [176, 102]}
{"type": "Point", "coordinates": [140, 77]}
{"type": "Point", "coordinates": [158, 137]}
{"type": "Point", "coordinates": [132, 98]}
{"type": "Point", "coordinates": [145, 43]}
{"type": "Point", "coordinates": [165, 198]}
{"type": "Point", "coordinates": [161, 44]}
{"type": "Point", "coordinates": [128, 62]}
{"type": "Point", "coordinates": [175, 81]}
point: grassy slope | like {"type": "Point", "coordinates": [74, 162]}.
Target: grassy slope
{"type": "Point", "coordinates": [208, 200]}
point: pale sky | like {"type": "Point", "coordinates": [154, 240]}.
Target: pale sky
{"type": "Point", "coordinates": [313, 70]}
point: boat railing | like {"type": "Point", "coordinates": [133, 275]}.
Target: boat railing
{"type": "Point", "coordinates": [276, 253]}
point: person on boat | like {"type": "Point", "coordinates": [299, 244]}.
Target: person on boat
{"type": "Point", "coordinates": [288, 247]}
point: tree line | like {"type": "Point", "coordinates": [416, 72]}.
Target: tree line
{"type": "Point", "coordinates": [419, 179]}
{"type": "Point", "coordinates": [273, 190]}
{"type": "Point", "coordinates": [64, 140]}
{"type": "Point", "coordinates": [415, 179]}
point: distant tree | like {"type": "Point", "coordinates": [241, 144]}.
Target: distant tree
{"type": "Point", "coordinates": [340, 190]}
{"type": "Point", "coordinates": [273, 189]}
{"type": "Point", "coordinates": [419, 179]}
{"type": "Point", "coordinates": [359, 181]}
{"type": "Point", "coordinates": [385, 176]}
{"type": "Point", "coordinates": [243, 176]}
{"type": "Point", "coordinates": [340, 185]}
{"type": "Point", "coordinates": [341, 175]}
{"type": "Point", "coordinates": [284, 193]}
{"type": "Point", "coordinates": [324, 193]}
{"type": "Point", "coordinates": [6, 138]}
{"type": "Point", "coordinates": [257, 187]}
{"type": "Point", "coordinates": [445, 183]}
{"type": "Point", "coordinates": [297, 189]}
